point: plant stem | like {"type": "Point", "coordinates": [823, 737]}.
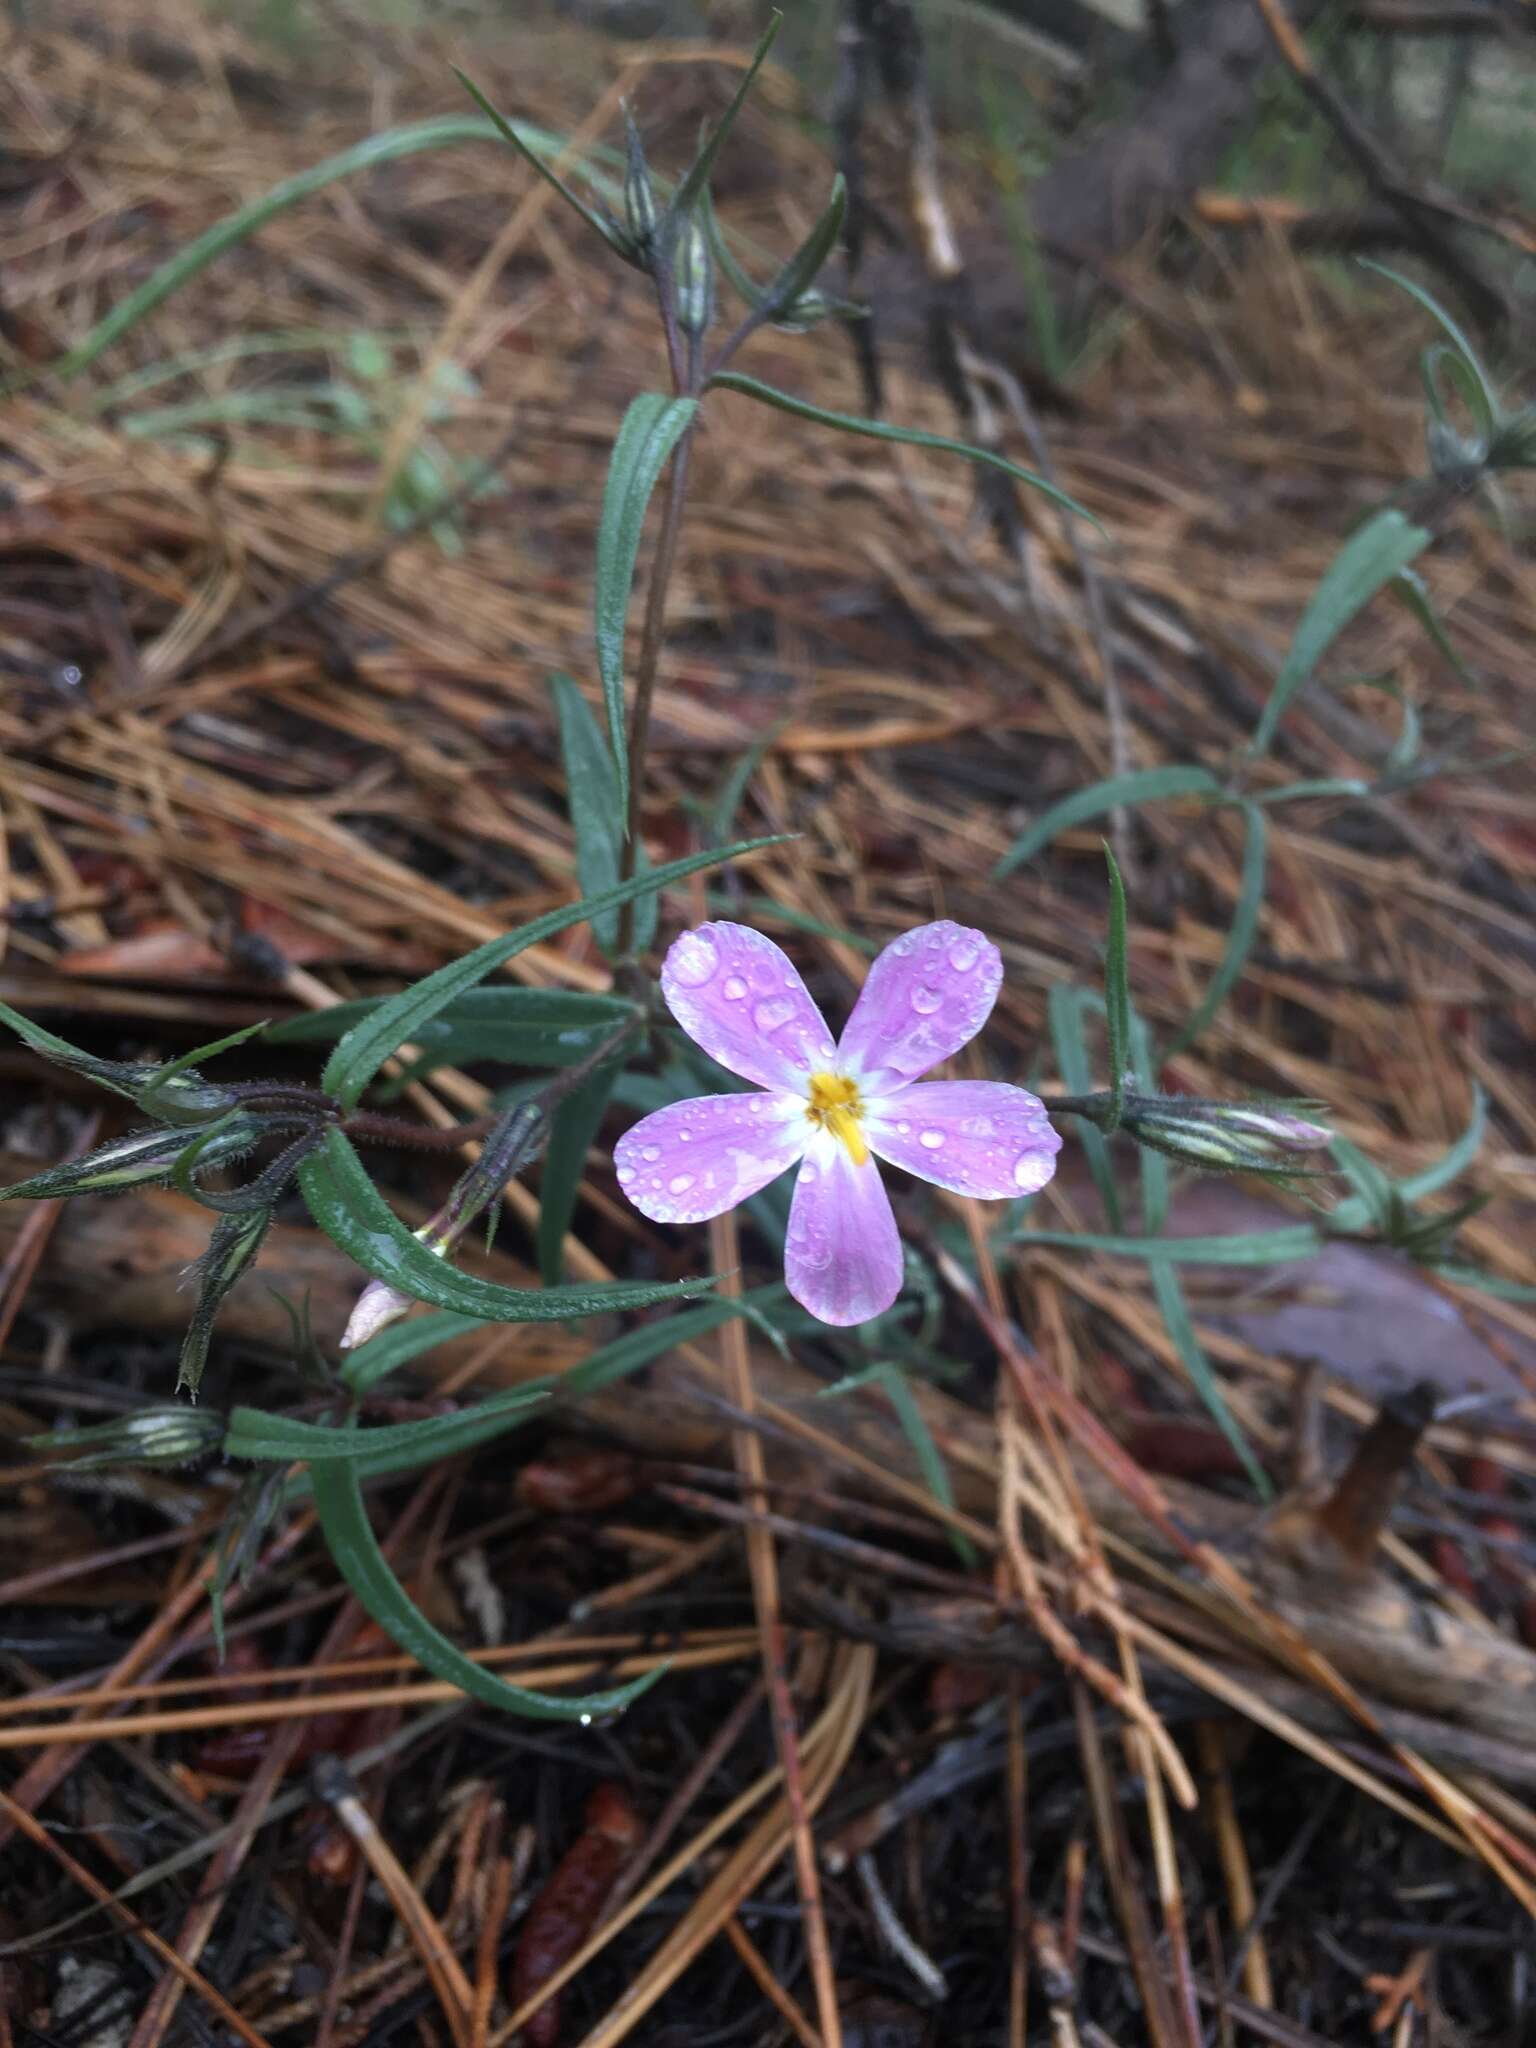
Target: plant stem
{"type": "Point", "coordinates": [650, 658]}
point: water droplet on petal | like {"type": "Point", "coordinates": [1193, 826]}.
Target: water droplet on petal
{"type": "Point", "coordinates": [771, 1015]}
{"type": "Point", "coordinates": [680, 1183]}
{"type": "Point", "coordinates": [930, 1140]}
{"type": "Point", "coordinates": [685, 1137]}
{"type": "Point", "coordinates": [693, 959]}
{"type": "Point", "coordinates": [734, 988]}
{"type": "Point", "coordinates": [903, 1127]}
{"type": "Point", "coordinates": [963, 955]}
{"type": "Point", "coordinates": [1031, 1170]}
{"type": "Point", "coordinates": [926, 999]}
{"type": "Point", "coordinates": [649, 1153]}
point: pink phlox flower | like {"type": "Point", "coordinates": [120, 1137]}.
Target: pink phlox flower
{"type": "Point", "coordinates": [834, 1110]}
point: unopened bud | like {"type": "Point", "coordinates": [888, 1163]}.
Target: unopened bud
{"type": "Point", "coordinates": [376, 1308]}
{"type": "Point", "coordinates": [168, 1435]}
{"type": "Point", "coordinates": [133, 1161]}
{"type": "Point", "coordinates": [1224, 1137]}
{"type": "Point", "coordinates": [693, 272]}
{"type": "Point", "coordinates": [641, 212]}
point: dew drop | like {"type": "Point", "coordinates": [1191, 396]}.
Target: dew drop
{"type": "Point", "coordinates": [930, 1140]}
{"type": "Point", "coordinates": [734, 989]}
{"type": "Point", "coordinates": [1027, 1171]}
{"type": "Point", "coordinates": [685, 1137]}
{"type": "Point", "coordinates": [771, 1015]}
{"type": "Point", "coordinates": [962, 956]}
{"type": "Point", "coordinates": [926, 999]}
{"type": "Point", "coordinates": [650, 1153]}
{"type": "Point", "coordinates": [903, 1127]}
{"type": "Point", "coordinates": [586, 1720]}
{"type": "Point", "coordinates": [680, 1183]}
{"type": "Point", "coordinates": [693, 959]}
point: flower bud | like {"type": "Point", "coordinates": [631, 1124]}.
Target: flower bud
{"type": "Point", "coordinates": [133, 1161]}
{"type": "Point", "coordinates": [375, 1309]}
{"type": "Point", "coordinates": [1225, 1137]}
{"type": "Point", "coordinates": [641, 213]}
{"type": "Point", "coordinates": [693, 277]}
{"type": "Point", "coordinates": [507, 1149]}
{"type": "Point", "coordinates": [167, 1435]}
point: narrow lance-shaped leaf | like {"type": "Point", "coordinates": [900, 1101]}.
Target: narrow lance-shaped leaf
{"type": "Point", "coordinates": [572, 1132]}
{"type": "Point", "coordinates": [1116, 792]}
{"type": "Point", "coordinates": [696, 176]}
{"type": "Point", "coordinates": [369, 1044]}
{"type": "Point", "coordinates": [1243, 931]}
{"type": "Point", "coordinates": [203, 249]}
{"type": "Point", "coordinates": [355, 1548]}
{"type": "Point", "coordinates": [615, 236]}
{"type": "Point", "coordinates": [650, 431]}
{"type": "Point", "coordinates": [1367, 562]}
{"type": "Point", "coordinates": [1411, 591]}
{"type": "Point", "coordinates": [881, 430]}
{"type": "Point", "coordinates": [597, 815]}
{"type": "Point", "coordinates": [803, 268]}
{"type": "Point", "coordinates": [234, 1244]}
{"type": "Point", "coordinates": [1181, 1328]}
{"type": "Point", "coordinates": [1066, 1009]}
{"type": "Point", "coordinates": [1485, 411]}
{"type": "Point", "coordinates": [254, 1434]}
{"type": "Point", "coordinates": [1117, 991]}
{"type": "Point", "coordinates": [351, 1211]}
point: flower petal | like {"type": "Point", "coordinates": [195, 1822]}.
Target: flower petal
{"type": "Point", "coordinates": [929, 992]}
{"type": "Point", "coordinates": [739, 996]}
{"type": "Point", "coordinates": [977, 1137]}
{"type": "Point", "coordinates": [842, 1256]}
{"type": "Point", "coordinates": [696, 1159]}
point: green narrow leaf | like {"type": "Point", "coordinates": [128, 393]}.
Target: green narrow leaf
{"type": "Point", "coordinates": [1117, 990]}
{"type": "Point", "coordinates": [516, 1027]}
{"type": "Point", "coordinates": [248, 220]}
{"type": "Point", "coordinates": [650, 431]}
{"type": "Point", "coordinates": [1245, 924]}
{"type": "Point", "coordinates": [352, 1543]}
{"type": "Point", "coordinates": [1455, 1161]}
{"type": "Point", "coordinates": [802, 269]}
{"type": "Point", "coordinates": [369, 1044]}
{"type": "Point", "coordinates": [1256, 1248]}
{"type": "Point", "coordinates": [1459, 342]}
{"type": "Point", "coordinates": [1066, 1009]}
{"type": "Point", "coordinates": [1410, 590]}
{"type": "Point", "coordinates": [256, 1435]}
{"type": "Point", "coordinates": [351, 1211]}
{"type": "Point", "coordinates": [122, 1076]}
{"type": "Point", "coordinates": [610, 231]}
{"type": "Point", "coordinates": [881, 430]}
{"type": "Point", "coordinates": [572, 1132]}
{"type": "Point", "coordinates": [1143, 786]}
{"type": "Point", "coordinates": [722, 816]}
{"type": "Point", "coordinates": [1181, 1328]}
{"type": "Point", "coordinates": [597, 815]}
{"type": "Point", "coordinates": [696, 176]}
{"type": "Point", "coordinates": [1367, 562]}
{"type": "Point", "coordinates": [1153, 1166]}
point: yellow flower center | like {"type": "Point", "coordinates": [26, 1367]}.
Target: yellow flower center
{"type": "Point", "coordinates": [834, 1106]}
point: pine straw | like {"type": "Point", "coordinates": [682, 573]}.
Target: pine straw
{"type": "Point", "coordinates": [372, 785]}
